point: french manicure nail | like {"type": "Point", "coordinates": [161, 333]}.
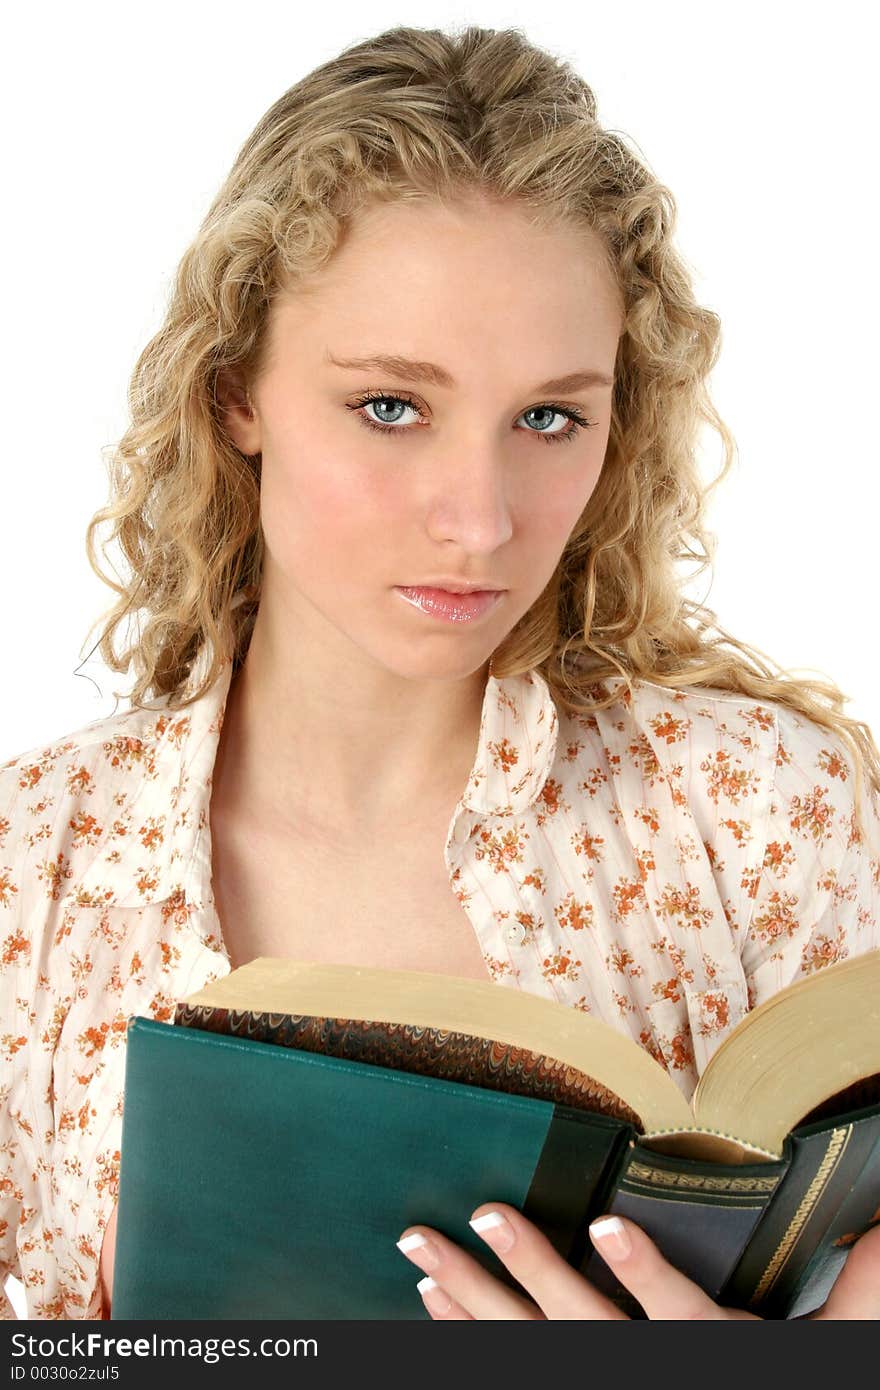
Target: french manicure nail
{"type": "Point", "coordinates": [434, 1296]}
{"type": "Point", "coordinates": [495, 1229]}
{"type": "Point", "coordinates": [611, 1235]}
{"type": "Point", "coordinates": [420, 1250]}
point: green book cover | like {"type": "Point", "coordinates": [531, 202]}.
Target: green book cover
{"type": "Point", "coordinates": [259, 1181]}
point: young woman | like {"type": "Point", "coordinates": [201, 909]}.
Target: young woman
{"type": "Point", "coordinates": [411, 465]}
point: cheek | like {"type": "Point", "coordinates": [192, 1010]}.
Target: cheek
{"type": "Point", "coordinates": [326, 508]}
{"type": "Point", "coordinates": [557, 502]}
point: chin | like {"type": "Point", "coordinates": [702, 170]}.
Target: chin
{"type": "Point", "coordinates": [445, 666]}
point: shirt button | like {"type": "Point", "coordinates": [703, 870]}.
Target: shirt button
{"type": "Point", "coordinates": [514, 933]}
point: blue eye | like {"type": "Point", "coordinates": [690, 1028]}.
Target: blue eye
{"type": "Point", "coordinates": [578, 422]}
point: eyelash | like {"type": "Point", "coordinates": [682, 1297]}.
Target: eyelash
{"type": "Point", "coordinates": [578, 421]}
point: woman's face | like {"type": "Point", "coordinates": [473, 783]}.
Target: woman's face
{"type": "Point", "coordinates": [478, 474]}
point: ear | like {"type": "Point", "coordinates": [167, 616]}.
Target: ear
{"type": "Point", "coordinates": [236, 413]}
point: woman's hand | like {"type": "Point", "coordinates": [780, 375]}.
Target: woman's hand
{"type": "Point", "coordinates": [460, 1288]}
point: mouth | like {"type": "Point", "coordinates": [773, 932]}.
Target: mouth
{"type": "Point", "coordinates": [450, 606]}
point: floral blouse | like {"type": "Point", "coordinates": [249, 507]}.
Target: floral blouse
{"type": "Point", "coordinates": [664, 864]}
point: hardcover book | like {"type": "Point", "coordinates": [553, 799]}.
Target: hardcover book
{"type": "Point", "coordinates": [295, 1117]}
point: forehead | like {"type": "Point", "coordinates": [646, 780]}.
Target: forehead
{"type": "Point", "coordinates": [454, 266]}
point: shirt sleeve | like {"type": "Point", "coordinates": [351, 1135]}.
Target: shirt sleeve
{"type": "Point", "coordinates": [12, 1043]}
{"type": "Point", "coordinates": [10, 1212]}
{"type": "Point", "coordinates": [20, 1250]}
{"type": "Point", "coordinates": [817, 892]}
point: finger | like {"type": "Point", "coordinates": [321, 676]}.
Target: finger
{"type": "Point", "coordinates": [663, 1291]}
{"type": "Point", "coordinates": [856, 1293]}
{"type": "Point", "coordinates": [558, 1290]}
{"type": "Point", "coordinates": [463, 1279]}
{"type": "Point", "coordinates": [439, 1304]}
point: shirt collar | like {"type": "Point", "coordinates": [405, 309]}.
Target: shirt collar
{"type": "Point", "coordinates": [516, 747]}
{"type": "Point", "coordinates": [515, 752]}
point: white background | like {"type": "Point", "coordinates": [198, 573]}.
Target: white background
{"type": "Point", "coordinates": [121, 121]}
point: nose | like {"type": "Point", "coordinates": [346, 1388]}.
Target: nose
{"type": "Point", "coordinates": [470, 499]}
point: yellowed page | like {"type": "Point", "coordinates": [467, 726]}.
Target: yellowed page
{"type": "Point", "coordinates": [795, 1050]}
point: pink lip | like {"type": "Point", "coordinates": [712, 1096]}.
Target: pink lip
{"type": "Point", "coordinates": [452, 608]}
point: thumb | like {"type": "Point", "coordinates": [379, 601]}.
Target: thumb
{"type": "Point", "coordinates": [856, 1293]}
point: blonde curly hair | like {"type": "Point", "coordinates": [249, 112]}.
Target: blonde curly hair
{"type": "Point", "coordinates": [407, 115]}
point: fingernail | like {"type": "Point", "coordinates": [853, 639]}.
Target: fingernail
{"type": "Point", "coordinates": [611, 1235]}
{"type": "Point", "coordinates": [431, 1292]}
{"type": "Point", "coordinates": [420, 1250]}
{"type": "Point", "coordinates": [495, 1229]}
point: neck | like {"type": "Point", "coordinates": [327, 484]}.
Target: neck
{"type": "Point", "coordinates": [300, 747]}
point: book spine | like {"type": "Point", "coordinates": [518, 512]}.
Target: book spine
{"type": "Point", "coordinates": [830, 1197]}
{"type": "Point", "coordinates": [700, 1215]}
{"type": "Point", "coordinates": [579, 1159]}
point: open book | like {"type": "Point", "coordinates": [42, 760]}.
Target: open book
{"type": "Point", "coordinates": [757, 1190]}
{"type": "Point", "coordinates": [806, 1044]}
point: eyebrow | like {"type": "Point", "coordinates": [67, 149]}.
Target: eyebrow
{"type": "Point", "coordinates": [405, 369]}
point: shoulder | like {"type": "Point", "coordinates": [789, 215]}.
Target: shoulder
{"type": "Point", "coordinates": [718, 741]}
{"type": "Point", "coordinates": [712, 748]}
{"type": "Point", "coordinates": [57, 797]}
{"type": "Point", "coordinates": [750, 772]}
{"type": "Point", "coordinates": [816, 776]}
{"type": "Point", "coordinates": [108, 750]}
